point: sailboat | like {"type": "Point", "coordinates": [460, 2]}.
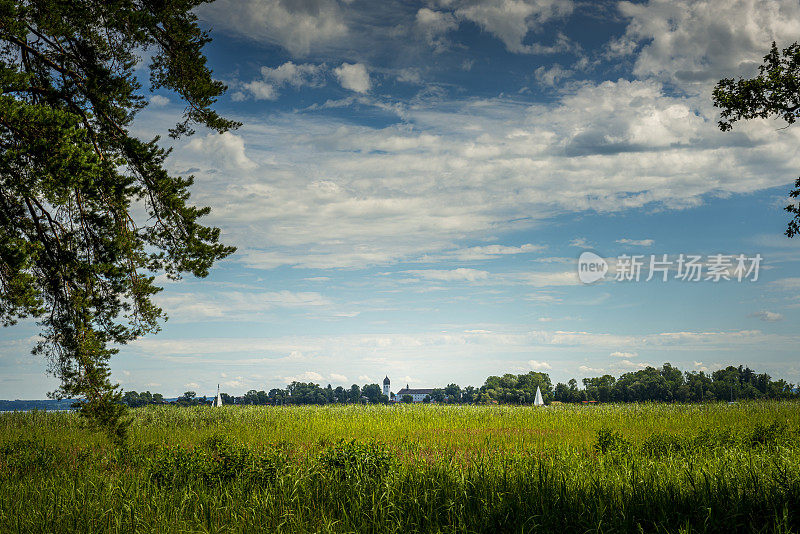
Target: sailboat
{"type": "Point", "coordinates": [218, 398]}
{"type": "Point", "coordinates": [538, 400]}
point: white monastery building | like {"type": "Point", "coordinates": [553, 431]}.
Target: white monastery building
{"type": "Point", "coordinates": [417, 395]}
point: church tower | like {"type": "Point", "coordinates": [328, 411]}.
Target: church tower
{"type": "Point", "coordinates": [386, 386]}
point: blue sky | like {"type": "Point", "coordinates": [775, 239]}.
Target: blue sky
{"type": "Point", "coordinates": [414, 182]}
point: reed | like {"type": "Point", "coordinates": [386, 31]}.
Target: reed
{"type": "Point", "coordinates": [609, 468]}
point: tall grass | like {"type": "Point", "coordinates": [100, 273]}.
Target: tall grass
{"type": "Point", "coordinates": [654, 468]}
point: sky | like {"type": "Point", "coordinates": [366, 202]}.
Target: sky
{"type": "Point", "coordinates": [414, 182]}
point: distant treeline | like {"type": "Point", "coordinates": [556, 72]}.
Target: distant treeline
{"type": "Point", "coordinates": [25, 405]}
{"type": "Point", "coordinates": [666, 384]}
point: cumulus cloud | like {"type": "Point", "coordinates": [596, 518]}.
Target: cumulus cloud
{"type": "Point", "coordinates": [289, 73]}
{"type": "Point", "coordinates": [225, 149]}
{"type": "Point", "coordinates": [158, 100]}
{"type": "Point", "coordinates": [618, 354]}
{"type": "Point", "coordinates": [260, 90]}
{"type": "Point", "coordinates": [551, 76]}
{"type": "Point", "coordinates": [537, 365]}
{"type": "Point", "coordinates": [292, 74]}
{"type": "Point", "coordinates": [434, 26]}
{"type": "Point", "coordinates": [343, 195]}
{"type": "Point", "coordinates": [690, 42]}
{"type": "Point", "coordinates": [299, 27]}
{"type": "Point", "coordinates": [353, 77]}
{"type": "Point", "coordinates": [332, 194]}
{"type": "Point", "coordinates": [512, 20]}
{"type": "Point", "coordinates": [767, 316]}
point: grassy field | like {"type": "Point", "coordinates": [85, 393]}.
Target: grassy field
{"type": "Point", "coordinates": [610, 468]}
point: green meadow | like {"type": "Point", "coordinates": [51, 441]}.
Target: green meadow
{"type": "Point", "coordinates": [408, 468]}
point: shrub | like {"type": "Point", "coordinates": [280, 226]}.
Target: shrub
{"type": "Point", "coordinates": [27, 455]}
{"type": "Point", "coordinates": [768, 434]}
{"type": "Point", "coordinates": [608, 440]}
{"type": "Point", "coordinates": [351, 459]}
{"type": "Point", "coordinates": [216, 462]}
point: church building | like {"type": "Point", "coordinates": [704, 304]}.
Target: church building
{"type": "Point", "coordinates": [417, 395]}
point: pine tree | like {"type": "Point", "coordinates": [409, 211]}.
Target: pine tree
{"type": "Point", "coordinates": [72, 254]}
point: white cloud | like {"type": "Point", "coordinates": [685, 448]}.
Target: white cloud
{"type": "Point", "coordinates": [300, 27]}
{"type": "Point", "coordinates": [158, 100]}
{"type": "Point", "coordinates": [692, 42]}
{"type": "Point", "coordinates": [543, 279]}
{"type": "Point", "coordinates": [296, 75]}
{"type": "Point", "coordinates": [308, 376]}
{"type": "Point", "coordinates": [238, 382]}
{"type": "Point", "coordinates": [787, 283]}
{"type": "Point", "coordinates": [486, 252]}
{"type": "Point", "coordinates": [537, 365]}
{"type": "Point", "coordinates": [460, 274]}
{"type": "Point", "coordinates": [289, 73]}
{"type": "Point", "coordinates": [547, 299]}
{"type": "Point", "coordinates": [512, 20]}
{"type": "Point", "coordinates": [434, 25]}
{"type": "Point", "coordinates": [768, 316]}
{"type": "Point", "coordinates": [353, 77]}
{"type": "Point", "coordinates": [338, 378]}
{"type": "Point", "coordinates": [193, 385]}
{"type": "Point", "coordinates": [228, 305]}
{"type": "Point", "coordinates": [225, 149]}
{"type": "Point", "coordinates": [364, 378]}
{"type": "Point", "coordinates": [329, 194]}
{"type": "Point", "coordinates": [619, 354]}
{"type": "Point", "coordinates": [636, 242]}
{"type": "Point", "coordinates": [587, 369]}
{"type": "Point", "coordinates": [480, 341]}
{"type": "Point", "coordinates": [551, 76]}
{"type": "Point", "coordinates": [261, 90]}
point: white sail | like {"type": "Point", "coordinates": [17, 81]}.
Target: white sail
{"type": "Point", "coordinates": [538, 401]}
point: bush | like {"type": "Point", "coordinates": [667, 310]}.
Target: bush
{"type": "Point", "coordinates": [770, 434]}
{"type": "Point", "coordinates": [361, 461]}
{"type": "Point", "coordinates": [26, 455]}
{"type": "Point", "coordinates": [217, 461]}
{"type": "Point", "coordinates": [610, 441]}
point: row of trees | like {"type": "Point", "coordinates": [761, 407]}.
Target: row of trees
{"type": "Point", "coordinates": [666, 384]}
